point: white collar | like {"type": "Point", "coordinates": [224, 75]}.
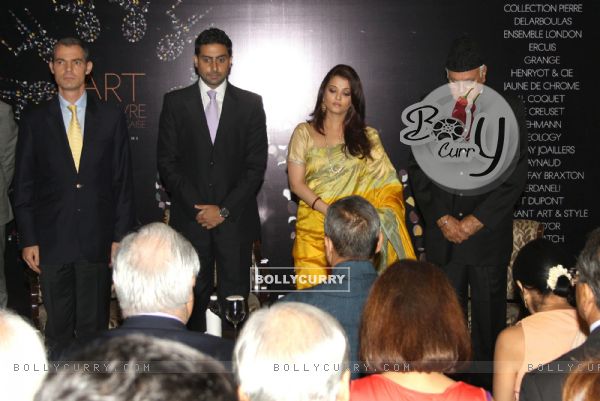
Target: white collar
{"type": "Point", "coordinates": [219, 89]}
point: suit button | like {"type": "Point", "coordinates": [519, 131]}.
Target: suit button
{"type": "Point", "coordinates": [79, 210]}
{"type": "Point", "coordinates": [79, 186]}
{"type": "Point", "coordinates": [210, 185]}
{"type": "Point", "coordinates": [460, 215]}
{"type": "Point", "coordinates": [212, 163]}
{"type": "Point", "coordinates": [460, 194]}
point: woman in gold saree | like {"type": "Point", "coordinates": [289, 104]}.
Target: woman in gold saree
{"type": "Point", "coordinates": [334, 155]}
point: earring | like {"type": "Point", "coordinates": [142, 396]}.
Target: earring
{"type": "Point", "coordinates": [323, 107]}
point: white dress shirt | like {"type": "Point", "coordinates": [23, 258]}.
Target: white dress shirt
{"type": "Point", "coordinates": [220, 94]}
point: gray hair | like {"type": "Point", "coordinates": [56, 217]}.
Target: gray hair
{"type": "Point", "coordinates": [154, 270]}
{"type": "Point", "coordinates": [353, 226]}
{"type": "Point", "coordinates": [71, 41]}
{"type": "Point", "coordinates": [588, 264]}
{"type": "Point", "coordinates": [139, 368]}
{"type": "Point", "coordinates": [291, 352]}
{"type": "Point", "coordinates": [22, 353]}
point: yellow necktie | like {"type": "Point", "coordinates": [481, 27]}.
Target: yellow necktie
{"type": "Point", "coordinates": [75, 136]}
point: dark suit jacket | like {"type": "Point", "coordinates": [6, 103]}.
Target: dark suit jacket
{"type": "Point", "coordinates": [172, 329]}
{"type": "Point", "coordinates": [153, 326]}
{"type": "Point", "coordinates": [228, 173]}
{"type": "Point", "coordinates": [346, 307]}
{"type": "Point", "coordinates": [546, 383]}
{"type": "Point", "coordinates": [72, 215]}
{"type": "Point", "coordinates": [8, 141]}
{"type": "Point", "coordinates": [492, 244]}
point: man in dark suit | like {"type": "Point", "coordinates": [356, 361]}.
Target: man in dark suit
{"type": "Point", "coordinates": [544, 383]}
{"type": "Point", "coordinates": [154, 274]}
{"type": "Point", "coordinates": [8, 142]}
{"type": "Point", "coordinates": [352, 238]}
{"type": "Point", "coordinates": [73, 196]}
{"type": "Point", "coordinates": [212, 155]}
{"type": "Point", "coordinates": [470, 235]}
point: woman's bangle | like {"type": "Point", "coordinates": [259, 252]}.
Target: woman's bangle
{"type": "Point", "coordinates": [315, 201]}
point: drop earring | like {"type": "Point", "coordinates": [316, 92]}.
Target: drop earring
{"type": "Point", "coordinates": [323, 107]}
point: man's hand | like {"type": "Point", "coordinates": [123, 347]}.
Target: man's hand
{"type": "Point", "coordinates": [451, 229]}
{"type": "Point", "coordinates": [31, 256]}
{"type": "Point", "coordinates": [470, 225]}
{"type": "Point", "coordinates": [208, 216]}
{"type": "Point", "coordinates": [113, 252]}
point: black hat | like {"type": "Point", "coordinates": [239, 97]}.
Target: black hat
{"type": "Point", "coordinates": [464, 55]}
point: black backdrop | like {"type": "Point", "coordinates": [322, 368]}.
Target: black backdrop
{"type": "Point", "coordinates": [282, 49]}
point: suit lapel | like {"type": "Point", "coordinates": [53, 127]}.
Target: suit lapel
{"type": "Point", "coordinates": [90, 131]}
{"type": "Point", "coordinates": [55, 119]}
{"type": "Point", "coordinates": [197, 117]}
{"type": "Point", "coordinates": [226, 120]}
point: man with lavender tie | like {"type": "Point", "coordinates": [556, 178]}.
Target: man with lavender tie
{"type": "Point", "coordinates": [212, 156]}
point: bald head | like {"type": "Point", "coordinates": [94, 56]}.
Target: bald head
{"type": "Point", "coordinates": [154, 271]}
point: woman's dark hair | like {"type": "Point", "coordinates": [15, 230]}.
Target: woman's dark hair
{"type": "Point", "coordinates": [356, 141]}
{"type": "Point", "coordinates": [412, 317]}
{"type": "Point", "coordinates": [532, 268]}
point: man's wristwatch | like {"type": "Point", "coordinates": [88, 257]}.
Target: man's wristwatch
{"type": "Point", "coordinates": [224, 212]}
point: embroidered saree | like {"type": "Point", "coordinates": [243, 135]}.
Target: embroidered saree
{"type": "Point", "coordinates": [332, 175]}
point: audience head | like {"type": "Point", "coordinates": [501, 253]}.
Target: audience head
{"type": "Point", "coordinates": [278, 344]}
{"type": "Point", "coordinates": [583, 384]}
{"type": "Point", "coordinates": [588, 279]}
{"type": "Point", "coordinates": [23, 361]}
{"type": "Point", "coordinates": [542, 269]}
{"type": "Point", "coordinates": [154, 271]}
{"type": "Point", "coordinates": [177, 372]}
{"type": "Point", "coordinates": [341, 93]}
{"type": "Point", "coordinates": [412, 321]}
{"type": "Point", "coordinates": [352, 230]}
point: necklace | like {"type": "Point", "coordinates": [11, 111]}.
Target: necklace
{"type": "Point", "coordinates": [333, 168]}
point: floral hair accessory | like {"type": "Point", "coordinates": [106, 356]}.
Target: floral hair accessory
{"type": "Point", "coordinates": [555, 273]}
